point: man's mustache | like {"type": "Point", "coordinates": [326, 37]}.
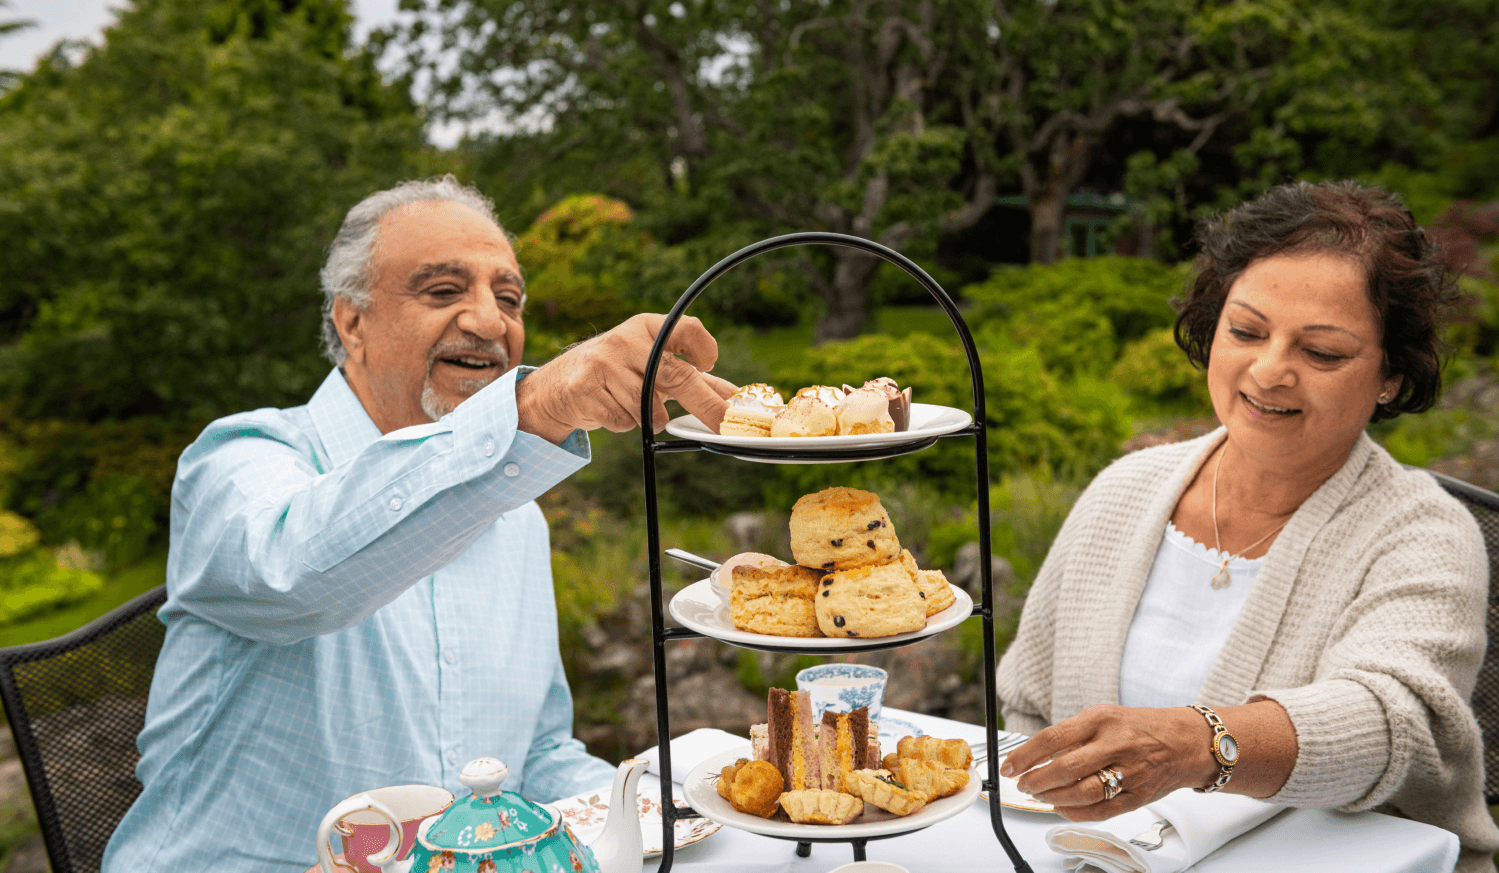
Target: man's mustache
{"type": "Point", "coordinates": [482, 348]}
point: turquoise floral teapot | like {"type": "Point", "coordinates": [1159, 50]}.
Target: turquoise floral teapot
{"type": "Point", "coordinates": [495, 831]}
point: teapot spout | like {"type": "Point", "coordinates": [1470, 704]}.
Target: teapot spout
{"type": "Point", "coordinates": [620, 848]}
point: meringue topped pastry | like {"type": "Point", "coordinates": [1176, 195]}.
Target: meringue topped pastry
{"type": "Point", "coordinates": [829, 395]}
{"type": "Point", "coordinates": [804, 416]}
{"type": "Point", "coordinates": [757, 395]}
{"type": "Point", "coordinates": [864, 411]}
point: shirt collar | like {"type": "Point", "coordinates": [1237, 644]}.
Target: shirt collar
{"type": "Point", "coordinates": [343, 425]}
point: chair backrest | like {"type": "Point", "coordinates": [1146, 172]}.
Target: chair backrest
{"type": "Point", "coordinates": [1485, 508]}
{"type": "Point", "coordinates": [76, 705]}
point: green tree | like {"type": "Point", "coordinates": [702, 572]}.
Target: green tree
{"type": "Point", "coordinates": [167, 202]}
{"type": "Point", "coordinates": [8, 77]}
{"type": "Point", "coordinates": [755, 117]}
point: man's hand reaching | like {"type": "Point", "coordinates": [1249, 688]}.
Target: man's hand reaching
{"type": "Point", "coordinates": [597, 383]}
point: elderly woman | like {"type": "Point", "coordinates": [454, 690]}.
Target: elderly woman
{"type": "Point", "coordinates": [1277, 609]}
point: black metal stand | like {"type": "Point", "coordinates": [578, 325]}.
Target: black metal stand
{"type": "Point", "coordinates": [660, 634]}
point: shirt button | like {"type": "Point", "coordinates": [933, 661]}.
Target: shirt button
{"type": "Point", "coordinates": [512, 470]}
{"type": "Point", "coordinates": [449, 656]}
{"type": "Point", "coordinates": [452, 757]}
{"type": "Point", "coordinates": [395, 504]}
{"type": "Point", "coordinates": [488, 448]}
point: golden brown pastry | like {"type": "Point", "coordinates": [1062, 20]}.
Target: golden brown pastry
{"type": "Point", "coordinates": [816, 806]}
{"type": "Point", "coordinates": [934, 590]}
{"type": "Point", "coordinates": [953, 753]}
{"type": "Point", "coordinates": [804, 416]}
{"type": "Point", "coordinates": [867, 602]}
{"type": "Point", "coordinates": [752, 787]}
{"type": "Point", "coordinates": [881, 789]}
{"type": "Point", "coordinates": [932, 778]}
{"type": "Point", "coordinates": [842, 528]}
{"type": "Point", "coordinates": [774, 600]}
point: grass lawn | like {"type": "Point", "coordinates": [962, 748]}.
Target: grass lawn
{"type": "Point", "coordinates": [118, 589]}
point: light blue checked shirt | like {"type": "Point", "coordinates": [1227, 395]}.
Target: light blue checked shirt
{"type": "Point", "coordinates": [344, 611]}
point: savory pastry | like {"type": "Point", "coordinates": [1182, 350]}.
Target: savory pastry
{"type": "Point", "coordinates": [879, 788]}
{"type": "Point", "coordinates": [792, 747]}
{"type": "Point", "coordinates": [866, 602]}
{"type": "Point", "coordinates": [865, 411]}
{"type": "Point", "coordinates": [760, 742]}
{"type": "Point", "coordinates": [953, 753]}
{"type": "Point", "coordinates": [816, 806]}
{"type": "Point", "coordinates": [932, 778]}
{"type": "Point", "coordinates": [752, 787]}
{"type": "Point", "coordinates": [774, 600]}
{"type": "Point", "coordinates": [840, 528]}
{"type": "Point", "coordinates": [843, 745]}
{"type": "Point", "coordinates": [804, 416]}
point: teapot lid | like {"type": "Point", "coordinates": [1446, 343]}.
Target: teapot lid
{"type": "Point", "coordinates": [489, 818]}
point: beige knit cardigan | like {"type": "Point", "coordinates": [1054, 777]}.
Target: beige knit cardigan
{"type": "Point", "coordinates": [1366, 623]}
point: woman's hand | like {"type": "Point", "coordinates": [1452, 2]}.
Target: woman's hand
{"type": "Point", "coordinates": [1154, 751]}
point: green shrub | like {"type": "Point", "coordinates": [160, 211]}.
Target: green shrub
{"type": "Point", "coordinates": [1079, 313]}
{"type": "Point", "coordinates": [1157, 374]}
{"type": "Point", "coordinates": [36, 581]}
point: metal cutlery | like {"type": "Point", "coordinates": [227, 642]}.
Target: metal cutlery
{"type": "Point", "coordinates": [690, 558]}
{"type": "Point", "coordinates": [1153, 838]}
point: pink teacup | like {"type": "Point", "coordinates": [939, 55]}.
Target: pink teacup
{"type": "Point", "coordinates": [365, 832]}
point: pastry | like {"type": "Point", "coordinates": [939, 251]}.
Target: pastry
{"type": "Point", "coordinates": [804, 416]}
{"type": "Point", "coordinates": [829, 395]}
{"type": "Point", "coordinates": [881, 789]}
{"type": "Point", "coordinates": [935, 591]}
{"type": "Point", "coordinates": [843, 745]}
{"type": "Point", "coordinates": [864, 411]}
{"type": "Point", "coordinates": [821, 807]}
{"type": "Point", "coordinates": [756, 395]}
{"type": "Point", "coordinates": [774, 600]}
{"type": "Point", "coordinates": [792, 747]}
{"type": "Point", "coordinates": [752, 787]}
{"type": "Point", "coordinates": [898, 401]}
{"type": "Point", "coordinates": [932, 778]}
{"type": "Point", "coordinates": [953, 753]}
{"type": "Point", "coordinates": [840, 528]}
{"type": "Point", "coordinates": [746, 422]}
{"type": "Point", "coordinates": [865, 602]}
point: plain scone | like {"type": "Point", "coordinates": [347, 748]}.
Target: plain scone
{"type": "Point", "coordinates": [774, 600]}
{"type": "Point", "coordinates": [841, 528]}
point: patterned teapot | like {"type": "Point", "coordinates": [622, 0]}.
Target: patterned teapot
{"type": "Point", "coordinates": [494, 831]}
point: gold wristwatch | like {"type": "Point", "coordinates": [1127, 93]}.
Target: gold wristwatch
{"type": "Point", "coordinates": [1225, 749]}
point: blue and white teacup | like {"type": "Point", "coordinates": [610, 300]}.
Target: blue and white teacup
{"type": "Point", "coordinates": [843, 688]}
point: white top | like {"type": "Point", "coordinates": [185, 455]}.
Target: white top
{"type": "Point", "coordinates": [1182, 622]}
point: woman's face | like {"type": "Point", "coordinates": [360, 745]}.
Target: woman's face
{"type": "Point", "coordinates": [1297, 363]}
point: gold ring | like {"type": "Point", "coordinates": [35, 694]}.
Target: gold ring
{"type": "Point", "coordinates": [1112, 782]}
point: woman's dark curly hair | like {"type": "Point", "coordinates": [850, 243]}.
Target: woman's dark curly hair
{"type": "Point", "coordinates": [1407, 280]}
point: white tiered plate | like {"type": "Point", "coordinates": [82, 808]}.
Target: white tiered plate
{"type": "Point", "coordinates": [701, 791]}
{"type": "Point", "coordinates": [927, 420]}
{"type": "Point", "coordinates": [699, 607]}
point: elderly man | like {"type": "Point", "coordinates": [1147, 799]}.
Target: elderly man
{"type": "Point", "coordinates": [359, 589]}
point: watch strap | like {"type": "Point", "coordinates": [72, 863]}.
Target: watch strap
{"type": "Point", "coordinates": [1220, 730]}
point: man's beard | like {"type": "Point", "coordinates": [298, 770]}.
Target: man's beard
{"type": "Point", "coordinates": [436, 407]}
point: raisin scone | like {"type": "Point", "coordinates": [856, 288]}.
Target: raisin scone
{"type": "Point", "coordinates": [869, 602]}
{"type": "Point", "coordinates": [774, 600]}
{"type": "Point", "coordinates": [842, 528]}
{"type": "Point", "coordinates": [817, 806]}
{"type": "Point", "coordinates": [879, 788]}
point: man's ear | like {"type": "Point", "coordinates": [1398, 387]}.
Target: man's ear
{"type": "Point", "coordinates": [348, 320]}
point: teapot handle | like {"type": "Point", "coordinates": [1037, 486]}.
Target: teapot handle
{"type": "Point", "coordinates": [359, 803]}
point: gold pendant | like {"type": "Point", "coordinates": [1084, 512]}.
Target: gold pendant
{"type": "Point", "coordinates": [1222, 579]}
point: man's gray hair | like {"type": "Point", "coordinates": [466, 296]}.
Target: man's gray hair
{"type": "Point", "coordinates": [350, 272]}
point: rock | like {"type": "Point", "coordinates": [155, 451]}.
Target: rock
{"type": "Point", "coordinates": [965, 572]}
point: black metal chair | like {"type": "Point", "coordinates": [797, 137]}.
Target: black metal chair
{"type": "Point", "coordinates": [76, 705]}
{"type": "Point", "coordinates": [1485, 508]}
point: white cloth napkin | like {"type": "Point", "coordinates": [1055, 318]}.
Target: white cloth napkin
{"type": "Point", "coordinates": [691, 749]}
{"type": "Point", "coordinates": [1200, 824]}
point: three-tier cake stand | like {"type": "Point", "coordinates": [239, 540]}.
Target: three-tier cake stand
{"type": "Point", "coordinates": [661, 634]}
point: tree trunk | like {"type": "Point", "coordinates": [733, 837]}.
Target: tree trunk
{"type": "Point", "coordinates": [1048, 214]}
{"type": "Point", "coordinates": [847, 296]}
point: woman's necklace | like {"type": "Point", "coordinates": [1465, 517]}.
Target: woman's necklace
{"type": "Point", "coordinates": [1221, 579]}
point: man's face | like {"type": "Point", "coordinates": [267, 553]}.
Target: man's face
{"type": "Point", "coordinates": [444, 318]}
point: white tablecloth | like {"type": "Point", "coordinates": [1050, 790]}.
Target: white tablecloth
{"type": "Point", "coordinates": [1303, 839]}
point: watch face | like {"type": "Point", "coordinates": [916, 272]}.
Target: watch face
{"type": "Point", "coordinates": [1228, 748]}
